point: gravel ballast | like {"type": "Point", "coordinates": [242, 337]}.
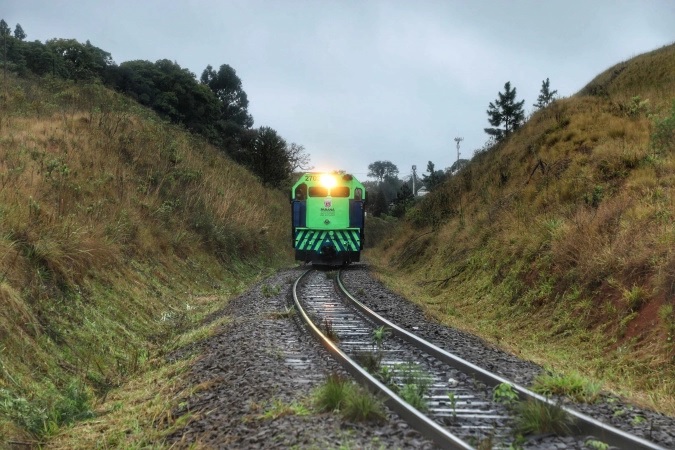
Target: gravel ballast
{"type": "Point", "coordinates": [257, 372]}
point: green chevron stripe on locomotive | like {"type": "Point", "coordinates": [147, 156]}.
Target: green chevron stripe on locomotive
{"type": "Point", "coordinates": [343, 240]}
{"type": "Point", "coordinates": [328, 216]}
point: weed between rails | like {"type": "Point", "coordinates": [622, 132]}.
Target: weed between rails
{"type": "Point", "coordinates": [329, 331]}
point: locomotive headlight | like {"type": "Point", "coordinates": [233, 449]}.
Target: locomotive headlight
{"type": "Point", "coordinates": [327, 180]}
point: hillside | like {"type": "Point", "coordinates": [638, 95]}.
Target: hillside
{"type": "Point", "coordinates": [118, 231]}
{"type": "Point", "coordinates": [558, 242]}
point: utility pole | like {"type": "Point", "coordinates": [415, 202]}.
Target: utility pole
{"type": "Point", "coordinates": [458, 140]}
{"type": "Point", "coordinates": [414, 168]}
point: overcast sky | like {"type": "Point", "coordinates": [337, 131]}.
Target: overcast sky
{"type": "Point", "coordinates": [360, 81]}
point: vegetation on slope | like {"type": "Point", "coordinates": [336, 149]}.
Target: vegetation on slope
{"type": "Point", "coordinates": [117, 231]}
{"type": "Point", "coordinates": [558, 242]}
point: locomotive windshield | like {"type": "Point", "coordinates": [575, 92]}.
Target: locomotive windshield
{"type": "Point", "coordinates": [340, 191]}
{"type": "Point", "coordinates": [318, 191]}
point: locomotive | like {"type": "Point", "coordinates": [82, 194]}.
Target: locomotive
{"type": "Point", "coordinates": [328, 217]}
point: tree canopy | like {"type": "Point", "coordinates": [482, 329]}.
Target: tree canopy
{"type": "Point", "coordinates": [19, 33]}
{"type": "Point", "coordinates": [227, 86]}
{"type": "Point", "coordinates": [214, 106]}
{"type": "Point", "coordinates": [382, 170]}
{"type": "Point", "coordinates": [434, 177]}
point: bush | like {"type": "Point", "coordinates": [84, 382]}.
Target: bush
{"type": "Point", "coordinates": [43, 415]}
{"type": "Point", "coordinates": [663, 138]}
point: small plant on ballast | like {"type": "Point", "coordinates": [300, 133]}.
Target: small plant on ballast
{"type": "Point", "coordinates": [361, 405]}
{"type": "Point", "coordinates": [385, 375]}
{"type": "Point", "coordinates": [453, 404]}
{"type": "Point", "coordinates": [352, 401]}
{"type": "Point", "coordinates": [331, 395]}
{"type": "Point", "coordinates": [596, 445]}
{"type": "Point", "coordinates": [287, 313]}
{"type": "Point", "coordinates": [270, 291]}
{"type": "Point", "coordinates": [536, 417]}
{"type": "Point", "coordinates": [369, 360]}
{"type": "Point", "coordinates": [329, 331]}
{"type": "Point", "coordinates": [415, 385]}
{"type": "Point", "coordinates": [379, 334]}
{"type": "Point", "coordinates": [278, 408]}
{"type": "Point", "coordinates": [505, 394]}
{"type": "Point", "coordinates": [572, 385]}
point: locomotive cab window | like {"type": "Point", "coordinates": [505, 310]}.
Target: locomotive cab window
{"type": "Point", "coordinates": [318, 191]}
{"type": "Point", "coordinates": [357, 194]}
{"type": "Point", "coordinates": [339, 191]}
{"type": "Point", "coordinates": [301, 192]}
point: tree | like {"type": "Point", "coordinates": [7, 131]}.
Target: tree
{"type": "Point", "coordinates": [4, 32]}
{"type": "Point", "coordinates": [434, 178]}
{"type": "Point", "coordinates": [268, 158]}
{"type": "Point", "coordinates": [297, 158]}
{"type": "Point", "coordinates": [382, 170]}
{"type": "Point", "coordinates": [77, 61]}
{"type": "Point", "coordinates": [404, 199]}
{"type": "Point", "coordinates": [546, 96]}
{"type": "Point", "coordinates": [379, 204]}
{"type": "Point", "coordinates": [4, 28]}
{"type": "Point", "coordinates": [505, 111]}
{"type": "Point", "coordinates": [228, 88]}
{"type": "Point", "coordinates": [19, 33]}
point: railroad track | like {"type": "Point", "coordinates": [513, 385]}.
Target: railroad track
{"type": "Point", "coordinates": [457, 406]}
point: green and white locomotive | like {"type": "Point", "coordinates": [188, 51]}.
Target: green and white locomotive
{"type": "Point", "coordinates": [328, 212]}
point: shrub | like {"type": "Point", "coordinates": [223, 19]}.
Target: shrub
{"type": "Point", "coordinates": [331, 395]}
{"type": "Point", "coordinates": [663, 138]}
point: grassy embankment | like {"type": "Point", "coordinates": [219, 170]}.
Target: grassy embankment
{"type": "Point", "coordinates": [118, 234]}
{"type": "Point", "coordinates": [559, 243]}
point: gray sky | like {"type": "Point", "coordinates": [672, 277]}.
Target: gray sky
{"type": "Point", "coordinates": [360, 81]}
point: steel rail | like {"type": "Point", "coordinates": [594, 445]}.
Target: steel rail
{"type": "Point", "coordinates": [585, 424]}
{"type": "Point", "coordinates": [416, 419]}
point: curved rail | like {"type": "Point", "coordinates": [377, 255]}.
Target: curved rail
{"type": "Point", "coordinates": [584, 423]}
{"type": "Point", "coordinates": [417, 420]}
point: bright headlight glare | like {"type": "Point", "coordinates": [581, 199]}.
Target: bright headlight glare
{"type": "Point", "coordinates": [327, 180]}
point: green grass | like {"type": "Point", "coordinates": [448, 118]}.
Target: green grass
{"type": "Point", "coordinates": [353, 402]}
{"type": "Point", "coordinates": [331, 395]}
{"type": "Point", "coordinates": [571, 385]}
{"type": "Point", "coordinates": [540, 418]}
{"type": "Point", "coordinates": [361, 406]}
{"type": "Point", "coordinates": [280, 409]}
{"type": "Point", "coordinates": [412, 384]}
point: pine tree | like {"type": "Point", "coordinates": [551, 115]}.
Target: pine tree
{"type": "Point", "coordinates": [546, 96]}
{"type": "Point", "coordinates": [4, 28]}
{"type": "Point", "coordinates": [505, 111]}
{"type": "Point", "coordinates": [19, 33]}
